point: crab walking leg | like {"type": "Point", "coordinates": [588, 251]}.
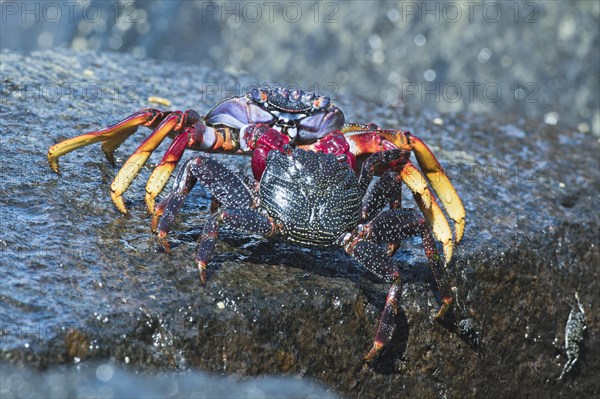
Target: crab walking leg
{"type": "Point", "coordinates": [244, 220]}
{"type": "Point", "coordinates": [195, 135]}
{"type": "Point", "coordinates": [111, 144]}
{"type": "Point", "coordinates": [416, 182]}
{"type": "Point", "coordinates": [391, 225]}
{"type": "Point", "coordinates": [374, 259]}
{"type": "Point", "coordinates": [441, 184]}
{"type": "Point", "coordinates": [169, 207]}
{"type": "Point", "coordinates": [363, 245]}
{"type": "Point", "coordinates": [227, 187]}
{"type": "Point", "coordinates": [136, 161]}
{"type": "Point", "coordinates": [112, 136]}
{"type": "Point", "coordinates": [428, 205]}
{"type": "Point", "coordinates": [389, 189]}
{"type": "Point", "coordinates": [369, 139]}
{"type": "Point", "coordinates": [386, 189]}
{"type": "Point", "coordinates": [160, 175]}
{"type": "Point", "coordinates": [378, 158]}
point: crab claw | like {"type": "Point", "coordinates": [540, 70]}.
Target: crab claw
{"type": "Point", "coordinates": [238, 112]}
{"type": "Point", "coordinates": [315, 126]}
{"type": "Point", "coordinates": [263, 140]}
{"type": "Point", "coordinates": [335, 143]}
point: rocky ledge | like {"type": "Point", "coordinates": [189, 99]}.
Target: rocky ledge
{"type": "Point", "coordinates": [82, 283]}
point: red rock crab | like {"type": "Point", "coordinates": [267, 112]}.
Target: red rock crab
{"type": "Point", "coordinates": [309, 121]}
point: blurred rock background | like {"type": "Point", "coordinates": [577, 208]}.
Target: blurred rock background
{"type": "Point", "coordinates": [538, 59]}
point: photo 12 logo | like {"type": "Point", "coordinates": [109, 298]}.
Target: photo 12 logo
{"type": "Point", "coordinates": [89, 92]}
{"type": "Point", "coordinates": [68, 11]}
{"type": "Point", "coordinates": [469, 92]}
{"type": "Point", "coordinates": [465, 11]}
{"type": "Point", "coordinates": [270, 11]}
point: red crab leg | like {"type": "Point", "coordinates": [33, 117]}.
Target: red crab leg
{"type": "Point", "coordinates": [112, 136]}
{"type": "Point", "coordinates": [136, 161]}
{"type": "Point", "coordinates": [367, 142]}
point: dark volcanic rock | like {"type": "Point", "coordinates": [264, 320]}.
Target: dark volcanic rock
{"type": "Point", "coordinates": [82, 282]}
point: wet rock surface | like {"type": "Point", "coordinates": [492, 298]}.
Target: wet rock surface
{"type": "Point", "coordinates": [83, 283]}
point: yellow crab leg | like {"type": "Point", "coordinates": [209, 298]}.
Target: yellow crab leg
{"type": "Point", "coordinates": [417, 184]}
{"type": "Point", "coordinates": [159, 177]}
{"type": "Point", "coordinates": [441, 184]}
{"type": "Point", "coordinates": [111, 144]}
{"type": "Point", "coordinates": [137, 160]}
{"type": "Point", "coordinates": [113, 136]}
{"type": "Point", "coordinates": [372, 141]}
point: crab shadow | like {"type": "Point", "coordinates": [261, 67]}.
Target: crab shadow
{"type": "Point", "coordinates": [392, 356]}
{"type": "Point", "coordinates": [326, 262]}
{"type": "Point", "coordinates": [335, 263]}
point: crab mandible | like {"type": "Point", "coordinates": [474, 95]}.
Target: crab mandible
{"type": "Point", "coordinates": [301, 116]}
{"type": "Point", "coordinates": [315, 199]}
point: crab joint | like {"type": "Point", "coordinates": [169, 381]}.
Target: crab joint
{"type": "Point", "coordinates": [202, 271]}
{"type": "Point", "coordinates": [447, 303]}
{"type": "Point", "coordinates": [226, 139]}
{"type": "Point", "coordinates": [377, 345]}
{"type": "Point", "coordinates": [349, 240]}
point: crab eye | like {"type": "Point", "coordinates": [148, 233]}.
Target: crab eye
{"type": "Point", "coordinates": [321, 102]}
{"type": "Point", "coordinates": [283, 92]}
{"type": "Point", "coordinates": [307, 98]}
{"type": "Point", "coordinates": [295, 95]}
{"type": "Point", "coordinates": [259, 95]}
